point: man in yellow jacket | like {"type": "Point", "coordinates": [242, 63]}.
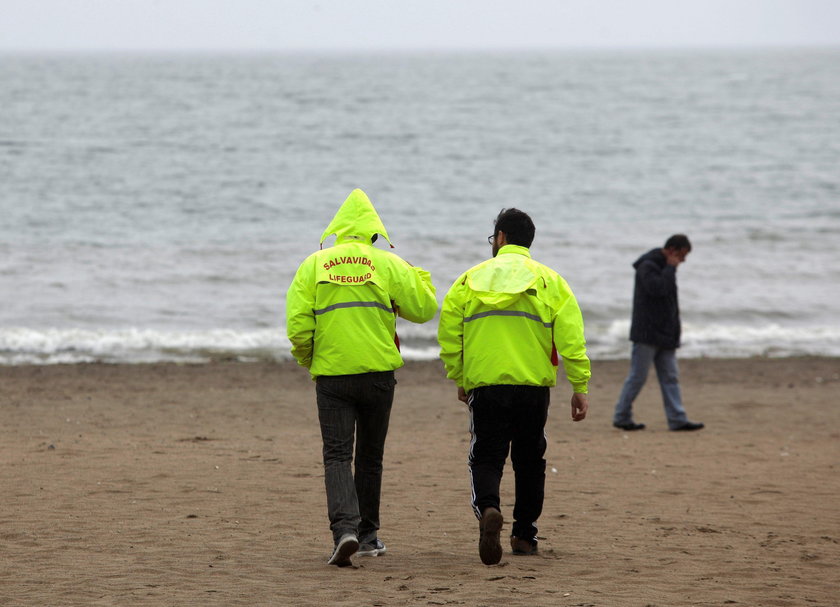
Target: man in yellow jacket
{"type": "Point", "coordinates": [502, 326]}
{"type": "Point", "coordinates": [341, 311]}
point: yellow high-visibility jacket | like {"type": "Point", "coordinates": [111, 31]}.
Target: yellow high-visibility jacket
{"type": "Point", "coordinates": [505, 320]}
{"type": "Point", "coordinates": [342, 305]}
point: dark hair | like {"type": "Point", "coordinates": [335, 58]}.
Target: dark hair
{"type": "Point", "coordinates": [678, 241]}
{"type": "Point", "coordinates": [517, 226]}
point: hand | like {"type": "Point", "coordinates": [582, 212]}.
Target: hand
{"type": "Point", "coordinates": [462, 394]}
{"type": "Point", "coordinates": [580, 405]}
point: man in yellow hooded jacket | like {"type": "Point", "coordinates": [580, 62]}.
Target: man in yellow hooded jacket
{"type": "Point", "coordinates": [341, 311]}
{"type": "Point", "coordinates": [502, 325]}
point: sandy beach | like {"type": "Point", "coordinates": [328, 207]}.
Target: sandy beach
{"type": "Point", "coordinates": [203, 485]}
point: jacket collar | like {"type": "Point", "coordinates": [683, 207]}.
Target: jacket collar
{"type": "Point", "coordinates": [514, 249]}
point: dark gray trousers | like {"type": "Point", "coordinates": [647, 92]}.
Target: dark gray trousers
{"type": "Point", "coordinates": [354, 406]}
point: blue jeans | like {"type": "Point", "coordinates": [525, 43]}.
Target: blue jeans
{"type": "Point", "coordinates": [354, 406]}
{"type": "Point", "coordinates": [668, 374]}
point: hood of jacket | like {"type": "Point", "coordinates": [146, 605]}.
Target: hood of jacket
{"type": "Point", "coordinates": [355, 220]}
{"type": "Point", "coordinates": [654, 255]}
{"type": "Point", "coordinates": [500, 281]}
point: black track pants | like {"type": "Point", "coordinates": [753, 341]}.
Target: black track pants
{"type": "Point", "coordinates": [509, 419]}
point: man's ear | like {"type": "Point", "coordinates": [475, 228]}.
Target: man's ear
{"type": "Point", "coordinates": [501, 238]}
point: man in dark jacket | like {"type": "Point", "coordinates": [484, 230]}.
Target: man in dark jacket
{"type": "Point", "coordinates": [655, 333]}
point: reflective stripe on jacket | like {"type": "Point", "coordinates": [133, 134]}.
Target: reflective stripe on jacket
{"type": "Point", "coordinates": [342, 304]}
{"type": "Point", "coordinates": [505, 320]}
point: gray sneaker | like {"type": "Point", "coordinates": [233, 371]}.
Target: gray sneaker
{"type": "Point", "coordinates": [374, 548]}
{"type": "Point", "coordinates": [344, 549]}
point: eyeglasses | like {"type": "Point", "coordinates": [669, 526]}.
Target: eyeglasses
{"type": "Point", "coordinates": [491, 238]}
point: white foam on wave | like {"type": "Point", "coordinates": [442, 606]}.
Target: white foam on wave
{"type": "Point", "coordinates": [765, 340]}
{"type": "Point", "coordinates": [25, 346]}
{"type": "Point", "coordinates": [19, 346]}
{"type": "Point", "coordinates": [610, 340]}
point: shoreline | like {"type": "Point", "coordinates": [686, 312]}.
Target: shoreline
{"type": "Point", "coordinates": [234, 359]}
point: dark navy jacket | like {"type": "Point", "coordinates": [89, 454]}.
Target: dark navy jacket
{"type": "Point", "coordinates": [656, 311]}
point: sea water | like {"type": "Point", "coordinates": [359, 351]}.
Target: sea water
{"type": "Point", "coordinates": [155, 207]}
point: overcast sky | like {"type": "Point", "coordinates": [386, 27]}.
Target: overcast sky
{"type": "Point", "coordinates": [244, 25]}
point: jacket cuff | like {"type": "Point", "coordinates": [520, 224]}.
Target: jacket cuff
{"type": "Point", "coordinates": [581, 388]}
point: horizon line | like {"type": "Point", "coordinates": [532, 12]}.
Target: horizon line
{"type": "Point", "coordinates": [414, 50]}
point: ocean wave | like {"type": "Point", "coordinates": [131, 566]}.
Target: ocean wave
{"type": "Point", "coordinates": [605, 341]}
{"type": "Point", "coordinates": [610, 340]}
{"type": "Point", "coordinates": [23, 346]}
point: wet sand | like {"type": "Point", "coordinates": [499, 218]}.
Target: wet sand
{"type": "Point", "coordinates": [203, 485]}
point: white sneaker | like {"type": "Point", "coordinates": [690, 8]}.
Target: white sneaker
{"type": "Point", "coordinates": [374, 548]}
{"type": "Point", "coordinates": [344, 549]}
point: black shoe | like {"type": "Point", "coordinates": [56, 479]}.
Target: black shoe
{"type": "Point", "coordinates": [629, 426]}
{"type": "Point", "coordinates": [688, 427]}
